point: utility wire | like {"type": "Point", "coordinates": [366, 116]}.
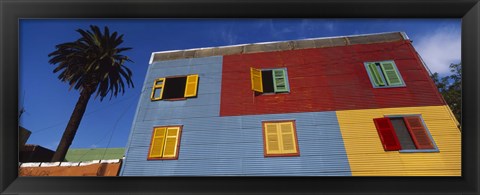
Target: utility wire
{"type": "Point", "coordinates": [111, 130]}
{"type": "Point", "coordinates": [87, 114]}
{"type": "Point", "coordinates": [115, 128]}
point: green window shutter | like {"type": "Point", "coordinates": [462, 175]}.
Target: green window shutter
{"type": "Point", "coordinates": [280, 80]}
{"type": "Point", "coordinates": [391, 74]}
{"type": "Point", "coordinates": [375, 74]}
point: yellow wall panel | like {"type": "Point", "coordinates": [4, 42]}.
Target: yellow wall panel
{"type": "Point", "coordinates": [368, 158]}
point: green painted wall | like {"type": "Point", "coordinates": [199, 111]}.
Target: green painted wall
{"type": "Point", "coordinates": [88, 154]}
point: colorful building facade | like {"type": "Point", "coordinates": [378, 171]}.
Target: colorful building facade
{"type": "Point", "coordinates": [340, 106]}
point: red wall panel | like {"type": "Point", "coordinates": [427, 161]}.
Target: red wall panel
{"type": "Point", "coordinates": [326, 79]}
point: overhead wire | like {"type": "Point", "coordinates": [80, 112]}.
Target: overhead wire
{"type": "Point", "coordinates": [111, 131]}
{"type": "Point", "coordinates": [114, 128]}
{"type": "Point", "coordinates": [86, 114]}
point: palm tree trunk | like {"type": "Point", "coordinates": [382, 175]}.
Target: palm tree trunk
{"type": "Point", "coordinates": [72, 125]}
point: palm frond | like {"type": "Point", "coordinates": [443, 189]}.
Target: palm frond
{"type": "Point", "coordinates": [93, 61]}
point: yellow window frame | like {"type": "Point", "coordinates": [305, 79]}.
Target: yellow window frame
{"type": "Point", "coordinates": [160, 143]}
{"type": "Point", "coordinates": [191, 87]}
{"type": "Point", "coordinates": [159, 87]}
{"type": "Point", "coordinates": [274, 131]}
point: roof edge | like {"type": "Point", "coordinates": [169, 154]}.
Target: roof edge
{"type": "Point", "coordinates": [279, 46]}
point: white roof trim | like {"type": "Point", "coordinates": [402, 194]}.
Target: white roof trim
{"type": "Point", "coordinates": [50, 164]}
{"type": "Point", "coordinates": [69, 164]}
{"type": "Point", "coordinates": [110, 161]}
{"type": "Point", "coordinates": [30, 164]}
{"type": "Point", "coordinates": [263, 43]}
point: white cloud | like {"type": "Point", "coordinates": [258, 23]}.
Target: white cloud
{"type": "Point", "coordinates": [330, 27]}
{"type": "Point", "coordinates": [440, 48]}
{"type": "Point", "coordinates": [305, 29]}
{"type": "Point", "coordinates": [228, 36]}
{"type": "Point", "coordinates": [276, 34]}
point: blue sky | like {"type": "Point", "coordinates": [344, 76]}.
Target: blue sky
{"type": "Point", "coordinates": [49, 103]}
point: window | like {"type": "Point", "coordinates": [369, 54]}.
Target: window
{"type": "Point", "coordinates": [404, 134]}
{"type": "Point", "coordinates": [384, 74]}
{"type": "Point", "coordinates": [280, 138]}
{"type": "Point", "coordinates": [178, 87]}
{"type": "Point", "coordinates": [269, 80]}
{"type": "Point", "coordinates": [165, 143]}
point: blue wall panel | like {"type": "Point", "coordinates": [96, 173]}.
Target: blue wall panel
{"type": "Point", "coordinates": [213, 145]}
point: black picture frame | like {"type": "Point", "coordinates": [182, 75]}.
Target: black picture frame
{"type": "Point", "coordinates": [12, 11]}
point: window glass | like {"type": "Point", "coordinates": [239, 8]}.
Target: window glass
{"type": "Point", "coordinates": [174, 87]}
{"type": "Point", "coordinates": [267, 80]}
{"type": "Point", "coordinates": [402, 133]}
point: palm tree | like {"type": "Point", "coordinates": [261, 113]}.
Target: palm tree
{"type": "Point", "coordinates": [92, 63]}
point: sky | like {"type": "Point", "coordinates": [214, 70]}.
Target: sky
{"type": "Point", "coordinates": [48, 102]}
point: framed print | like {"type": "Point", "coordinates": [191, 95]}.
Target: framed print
{"type": "Point", "coordinates": [284, 107]}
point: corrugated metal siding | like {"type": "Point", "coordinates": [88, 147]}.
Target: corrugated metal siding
{"type": "Point", "coordinates": [326, 79]}
{"type": "Point", "coordinates": [234, 146]}
{"type": "Point", "coordinates": [367, 156]}
{"type": "Point", "coordinates": [321, 81]}
{"type": "Point", "coordinates": [214, 145]}
{"type": "Point", "coordinates": [95, 169]}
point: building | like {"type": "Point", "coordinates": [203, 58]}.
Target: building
{"type": "Point", "coordinates": [35, 160]}
{"type": "Point", "coordinates": [78, 162]}
{"type": "Point", "coordinates": [360, 105]}
{"type": "Point", "coordinates": [23, 135]}
{"type": "Point", "coordinates": [35, 153]}
{"type": "Point", "coordinates": [86, 168]}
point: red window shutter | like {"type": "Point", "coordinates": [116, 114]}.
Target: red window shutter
{"type": "Point", "coordinates": [418, 132]}
{"type": "Point", "coordinates": [387, 134]}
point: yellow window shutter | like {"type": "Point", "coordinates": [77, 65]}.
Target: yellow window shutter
{"type": "Point", "coordinates": [191, 86]}
{"type": "Point", "coordinates": [256, 77]}
{"type": "Point", "coordinates": [157, 85]}
{"type": "Point", "coordinates": [288, 138]}
{"type": "Point", "coordinates": [272, 139]}
{"type": "Point", "coordinates": [156, 149]}
{"type": "Point", "coordinates": [171, 140]}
